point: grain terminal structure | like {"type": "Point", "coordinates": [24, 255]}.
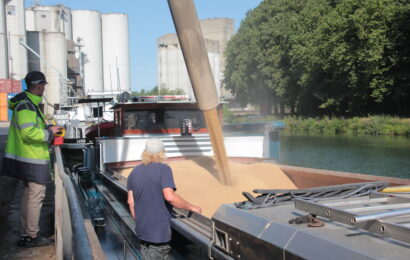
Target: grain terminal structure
{"type": "Point", "coordinates": [81, 52]}
{"type": "Point", "coordinates": [172, 73]}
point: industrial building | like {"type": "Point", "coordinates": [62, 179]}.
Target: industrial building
{"type": "Point", "coordinates": [83, 53]}
{"type": "Point", "coordinates": [56, 18]}
{"type": "Point", "coordinates": [172, 72]}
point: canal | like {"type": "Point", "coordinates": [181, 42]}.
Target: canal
{"type": "Point", "coordinates": [376, 155]}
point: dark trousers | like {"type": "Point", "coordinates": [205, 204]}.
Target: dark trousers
{"type": "Point", "coordinates": [153, 251]}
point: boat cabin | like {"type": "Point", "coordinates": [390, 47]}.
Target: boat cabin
{"type": "Point", "coordinates": [158, 115]}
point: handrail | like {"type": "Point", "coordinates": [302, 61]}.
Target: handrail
{"type": "Point", "coordinates": [81, 246]}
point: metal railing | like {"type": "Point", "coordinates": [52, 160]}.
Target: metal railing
{"type": "Point", "coordinates": [72, 240]}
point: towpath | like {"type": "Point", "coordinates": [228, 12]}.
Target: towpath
{"type": "Point", "coordinates": [10, 194]}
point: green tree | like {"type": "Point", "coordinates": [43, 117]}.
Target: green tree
{"type": "Point", "coordinates": [258, 67]}
{"type": "Point", "coordinates": [341, 57]}
{"type": "Point", "coordinates": [155, 91]}
{"type": "Point", "coordinates": [352, 54]}
{"type": "Point", "coordinates": [241, 74]}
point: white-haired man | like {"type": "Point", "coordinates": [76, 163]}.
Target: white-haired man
{"type": "Point", "coordinates": [150, 198]}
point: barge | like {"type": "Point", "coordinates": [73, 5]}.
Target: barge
{"type": "Point", "coordinates": [259, 226]}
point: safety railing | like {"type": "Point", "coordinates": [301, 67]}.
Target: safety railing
{"type": "Point", "coordinates": [72, 240]}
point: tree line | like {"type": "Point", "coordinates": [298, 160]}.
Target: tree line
{"type": "Point", "coordinates": [158, 91]}
{"type": "Point", "coordinates": [323, 57]}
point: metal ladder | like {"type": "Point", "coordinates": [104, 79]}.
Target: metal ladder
{"type": "Point", "coordinates": [384, 214]}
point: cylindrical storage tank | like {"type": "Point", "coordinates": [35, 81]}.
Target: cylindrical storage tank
{"type": "Point", "coordinates": [172, 71]}
{"type": "Point", "coordinates": [87, 32]}
{"type": "Point", "coordinates": [50, 46]}
{"type": "Point", "coordinates": [56, 90]}
{"type": "Point", "coordinates": [115, 52]}
{"type": "Point", "coordinates": [54, 18]}
{"type": "Point", "coordinates": [16, 29]}
{"type": "Point", "coordinates": [3, 43]}
{"type": "Point", "coordinates": [37, 42]}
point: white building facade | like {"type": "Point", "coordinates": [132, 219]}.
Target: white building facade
{"type": "Point", "coordinates": [16, 32]}
{"type": "Point", "coordinates": [54, 18]}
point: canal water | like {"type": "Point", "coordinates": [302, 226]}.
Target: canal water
{"type": "Point", "coordinates": [376, 155]}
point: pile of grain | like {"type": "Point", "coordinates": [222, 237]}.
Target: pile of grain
{"type": "Point", "coordinates": [196, 181]}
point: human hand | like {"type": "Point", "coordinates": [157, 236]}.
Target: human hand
{"type": "Point", "coordinates": [56, 129]}
{"type": "Point", "coordinates": [196, 209]}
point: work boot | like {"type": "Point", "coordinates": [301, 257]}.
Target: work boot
{"type": "Point", "coordinates": [22, 240]}
{"type": "Point", "coordinates": [37, 242]}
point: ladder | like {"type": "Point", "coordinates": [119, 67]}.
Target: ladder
{"type": "Point", "coordinates": [383, 214]}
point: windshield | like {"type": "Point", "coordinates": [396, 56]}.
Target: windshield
{"type": "Point", "coordinates": [160, 119]}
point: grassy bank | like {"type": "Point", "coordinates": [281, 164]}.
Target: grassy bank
{"type": "Point", "coordinates": [373, 125]}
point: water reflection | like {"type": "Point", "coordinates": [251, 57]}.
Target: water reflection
{"type": "Point", "coordinates": [377, 155]}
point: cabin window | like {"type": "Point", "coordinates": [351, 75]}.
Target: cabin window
{"type": "Point", "coordinates": [159, 119]}
{"type": "Point", "coordinates": [143, 119]}
{"type": "Point", "coordinates": [173, 118]}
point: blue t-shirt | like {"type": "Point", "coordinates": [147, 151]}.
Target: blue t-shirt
{"type": "Point", "coordinates": [152, 212]}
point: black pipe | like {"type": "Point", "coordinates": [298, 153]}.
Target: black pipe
{"type": "Point", "coordinates": [81, 243]}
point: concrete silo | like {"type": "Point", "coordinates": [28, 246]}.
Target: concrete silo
{"type": "Point", "coordinates": [87, 35]}
{"type": "Point", "coordinates": [171, 66]}
{"type": "Point", "coordinates": [56, 54]}
{"type": "Point", "coordinates": [16, 31]}
{"type": "Point", "coordinates": [220, 30]}
{"type": "Point", "coordinates": [214, 57]}
{"type": "Point", "coordinates": [36, 41]}
{"type": "Point", "coordinates": [3, 43]}
{"type": "Point", "coordinates": [172, 72]}
{"type": "Point", "coordinates": [55, 18]}
{"type": "Point", "coordinates": [116, 58]}
{"type": "Point", "coordinates": [52, 47]}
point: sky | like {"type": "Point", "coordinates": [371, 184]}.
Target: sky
{"type": "Point", "coordinates": [149, 20]}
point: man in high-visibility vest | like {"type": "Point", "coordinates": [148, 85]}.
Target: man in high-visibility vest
{"type": "Point", "coordinates": [27, 156]}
